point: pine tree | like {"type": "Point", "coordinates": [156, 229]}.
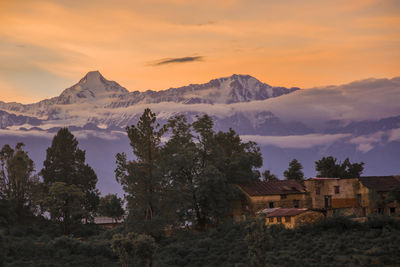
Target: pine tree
{"type": "Point", "coordinates": [268, 176]}
{"type": "Point", "coordinates": [141, 178]}
{"type": "Point", "coordinates": [294, 172]}
{"type": "Point", "coordinates": [69, 182]}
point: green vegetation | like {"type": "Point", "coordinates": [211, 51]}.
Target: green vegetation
{"type": "Point", "coordinates": [180, 195]}
{"type": "Point", "coordinates": [328, 167]}
{"type": "Point", "coordinates": [294, 172]}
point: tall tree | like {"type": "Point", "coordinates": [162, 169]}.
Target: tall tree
{"type": "Point", "coordinates": [268, 176]}
{"type": "Point", "coordinates": [141, 178]}
{"type": "Point", "coordinates": [294, 172]}
{"type": "Point", "coordinates": [18, 184]}
{"type": "Point", "coordinates": [329, 167]}
{"type": "Point", "coordinates": [69, 182]}
{"type": "Point", "coordinates": [204, 167]}
{"type": "Point", "coordinates": [111, 206]}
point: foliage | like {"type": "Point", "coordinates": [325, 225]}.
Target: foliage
{"type": "Point", "coordinates": [141, 178]}
{"type": "Point", "coordinates": [134, 248]}
{"type": "Point", "coordinates": [69, 183]}
{"type": "Point", "coordinates": [18, 185]}
{"type": "Point", "coordinates": [268, 176]}
{"type": "Point", "coordinates": [111, 206]}
{"type": "Point", "coordinates": [328, 167]}
{"type": "Point", "coordinates": [189, 180]}
{"type": "Point", "coordinates": [258, 242]}
{"type": "Point", "coordinates": [294, 172]}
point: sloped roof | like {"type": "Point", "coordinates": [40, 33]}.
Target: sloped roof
{"type": "Point", "coordinates": [286, 212]}
{"type": "Point", "coordinates": [106, 220]}
{"type": "Point", "coordinates": [280, 187]}
{"type": "Point", "coordinates": [381, 183]}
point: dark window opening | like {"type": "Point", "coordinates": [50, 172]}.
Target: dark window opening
{"type": "Point", "coordinates": [328, 202]}
{"type": "Point", "coordinates": [279, 219]}
{"type": "Point", "coordinates": [271, 205]}
{"type": "Point", "coordinates": [364, 212]}
{"type": "Point", "coordinates": [288, 219]}
{"type": "Point", "coordinates": [271, 219]}
{"type": "Point", "coordinates": [359, 200]}
{"type": "Point", "coordinates": [296, 203]}
{"type": "Point", "coordinates": [380, 211]}
{"type": "Point", "coordinates": [317, 191]}
{"type": "Point", "coordinates": [392, 211]}
{"type": "Point", "coordinates": [337, 189]}
{"type": "Point", "coordinates": [283, 196]}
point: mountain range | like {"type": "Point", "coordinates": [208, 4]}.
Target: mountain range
{"type": "Point", "coordinates": [360, 120]}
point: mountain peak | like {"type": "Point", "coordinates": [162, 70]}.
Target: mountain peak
{"type": "Point", "coordinates": [92, 77]}
{"type": "Point", "coordinates": [93, 86]}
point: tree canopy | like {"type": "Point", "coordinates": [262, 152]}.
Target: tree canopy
{"type": "Point", "coordinates": [294, 172]}
{"type": "Point", "coordinates": [69, 183]}
{"type": "Point", "coordinates": [329, 167]}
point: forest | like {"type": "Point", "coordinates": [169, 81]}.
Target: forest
{"type": "Point", "coordinates": [180, 191]}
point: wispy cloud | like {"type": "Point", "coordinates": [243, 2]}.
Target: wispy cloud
{"type": "Point", "coordinates": [177, 60]}
{"type": "Point", "coordinates": [296, 141]}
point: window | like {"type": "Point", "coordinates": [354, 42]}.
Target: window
{"type": "Point", "coordinates": [359, 200]}
{"type": "Point", "coordinates": [318, 191]}
{"type": "Point", "coordinates": [288, 219]}
{"type": "Point", "coordinates": [271, 219]}
{"type": "Point", "coordinates": [380, 211]}
{"type": "Point", "coordinates": [392, 211]}
{"type": "Point", "coordinates": [296, 203]}
{"type": "Point", "coordinates": [271, 205]}
{"type": "Point", "coordinates": [279, 219]}
{"type": "Point", "coordinates": [328, 202]}
{"type": "Point", "coordinates": [337, 189]}
{"type": "Point", "coordinates": [283, 196]}
{"type": "Point", "coordinates": [364, 212]}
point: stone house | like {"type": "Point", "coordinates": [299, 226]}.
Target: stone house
{"type": "Point", "coordinates": [353, 196]}
{"type": "Point", "coordinates": [272, 194]}
{"type": "Point", "coordinates": [292, 217]}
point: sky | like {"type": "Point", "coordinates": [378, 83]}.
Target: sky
{"type": "Point", "coordinates": [47, 46]}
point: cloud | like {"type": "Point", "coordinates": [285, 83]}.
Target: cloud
{"type": "Point", "coordinates": [366, 143]}
{"type": "Point", "coordinates": [394, 135]}
{"type": "Point", "coordinates": [177, 60]}
{"type": "Point", "coordinates": [296, 141]}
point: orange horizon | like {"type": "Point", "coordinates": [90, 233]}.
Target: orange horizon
{"type": "Point", "coordinates": [47, 46]}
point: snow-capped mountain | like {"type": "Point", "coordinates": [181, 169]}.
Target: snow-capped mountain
{"type": "Point", "coordinates": [360, 120]}
{"type": "Point", "coordinates": [95, 91]}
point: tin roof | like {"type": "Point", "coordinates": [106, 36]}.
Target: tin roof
{"type": "Point", "coordinates": [286, 212]}
{"type": "Point", "coordinates": [381, 183]}
{"type": "Point", "coordinates": [280, 187]}
{"type": "Point", "coordinates": [106, 220]}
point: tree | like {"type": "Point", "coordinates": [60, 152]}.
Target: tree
{"type": "Point", "coordinates": [141, 178]}
{"type": "Point", "coordinates": [18, 184]}
{"type": "Point", "coordinates": [329, 167]}
{"type": "Point", "coordinates": [69, 182]}
{"type": "Point", "coordinates": [134, 248]}
{"type": "Point", "coordinates": [268, 176]}
{"type": "Point", "coordinates": [204, 166]}
{"type": "Point", "coordinates": [111, 206]}
{"type": "Point", "coordinates": [294, 172]}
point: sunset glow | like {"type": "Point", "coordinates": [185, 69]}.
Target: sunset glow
{"type": "Point", "coordinates": [46, 46]}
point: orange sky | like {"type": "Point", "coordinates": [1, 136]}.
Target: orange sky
{"type": "Point", "coordinates": [46, 46]}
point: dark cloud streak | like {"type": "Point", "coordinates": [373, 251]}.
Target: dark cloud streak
{"type": "Point", "coordinates": [177, 60]}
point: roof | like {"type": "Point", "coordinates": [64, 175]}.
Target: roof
{"type": "Point", "coordinates": [322, 178]}
{"type": "Point", "coordinates": [266, 211]}
{"type": "Point", "coordinates": [280, 187]}
{"type": "Point", "coordinates": [106, 220]}
{"type": "Point", "coordinates": [381, 183]}
{"type": "Point", "coordinates": [286, 212]}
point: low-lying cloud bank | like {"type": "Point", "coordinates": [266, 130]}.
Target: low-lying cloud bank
{"type": "Point", "coordinates": [296, 141]}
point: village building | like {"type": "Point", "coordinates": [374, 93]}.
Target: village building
{"type": "Point", "coordinates": [353, 196]}
{"type": "Point", "coordinates": [374, 195]}
{"type": "Point", "coordinates": [333, 195]}
{"type": "Point", "coordinates": [272, 194]}
{"type": "Point", "coordinates": [108, 222]}
{"type": "Point", "coordinates": [292, 217]}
